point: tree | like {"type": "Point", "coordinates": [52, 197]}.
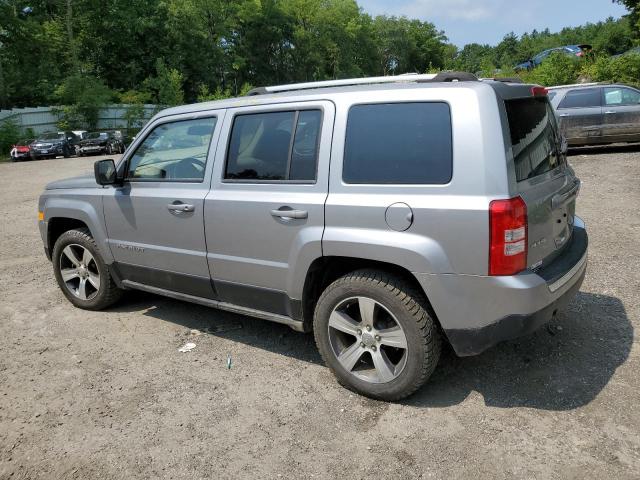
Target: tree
{"type": "Point", "coordinates": [82, 97]}
{"type": "Point", "coordinates": [166, 85]}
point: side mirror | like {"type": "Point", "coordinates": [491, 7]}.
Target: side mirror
{"type": "Point", "coordinates": [105, 172]}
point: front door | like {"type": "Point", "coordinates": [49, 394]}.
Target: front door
{"type": "Point", "coordinates": [155, 220]}
{"type": "Point", "coordinates": [580, 114]}
{"type": "Point", "coordinates": [621, 114]}
{"type": "Point", "coordinates": [264, 216]}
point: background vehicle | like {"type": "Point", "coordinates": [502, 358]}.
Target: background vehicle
{"type": "Point", "coordinates": [572, 50]}
{"type": "Point", "coordinates": [99, 142]}
{"type": "Point", "coordinates": [51, 145]}
{"type": "Point", "coordinates": [21, 150]}
{"type": "Point", "coordinates": [335, 207]}
{"type": "Point", "coordinates": [591, 114]}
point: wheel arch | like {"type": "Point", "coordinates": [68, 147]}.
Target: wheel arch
{"type": "Point", "coordinates": [63, 214]}
{"type": "Point", "coordinates": [325, 270]}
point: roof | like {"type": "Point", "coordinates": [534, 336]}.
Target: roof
{"type": "Point", "coordinates": [325, 90]}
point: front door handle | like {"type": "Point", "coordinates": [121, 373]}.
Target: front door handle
{"type": "Point", "coordinates": [562, 115]}
{"type": "Point", "coordinates": [180, 207]}
{"type": "Point", "coordinates": [609, 112]}
{"type": "Point", "coordinates": [290, 213]}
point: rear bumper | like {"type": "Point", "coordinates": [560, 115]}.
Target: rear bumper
{"type": "Point", "coordinates": [477, 312]}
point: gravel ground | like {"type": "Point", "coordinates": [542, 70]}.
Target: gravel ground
{"type": "Point", "coordinates": [108, 395]}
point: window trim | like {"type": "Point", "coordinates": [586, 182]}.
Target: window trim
{"type": "Point", "coordinates": [161, 122]}
{"type": "Point", "coordinates": [392, 184]}
{"type": "Point", "coordinates": [620, 87]}
{"type": "Point", "coordinates": [601, 93]}
{"type": "Point", "coordinates": [290, 108]}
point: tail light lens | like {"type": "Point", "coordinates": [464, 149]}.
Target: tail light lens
{"type": "Point", "coordinates": [508, 236]}
{"type": "Point", "coordinates": [539, 91]}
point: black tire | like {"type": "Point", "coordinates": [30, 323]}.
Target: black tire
{"type": "Point", "coordinates": [411, 312]}
{"type": "Point", "coordinates": [107, 293]}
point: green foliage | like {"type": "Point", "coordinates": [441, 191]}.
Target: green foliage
{"type": "Point", "coordinates": [9, 135]}
{"type": "Point", "coordinates": [166, 85]}
{"type": "Point", "coordinates": [557, 69]}
{"type": "Point", "coordinates": [166, 51]}
{"type": "Point", "coordinates": [82, 97]}
{"type": "Point", "coordinates": [623, 69]}
{"type": "Point", "coordinates": [204, 95]}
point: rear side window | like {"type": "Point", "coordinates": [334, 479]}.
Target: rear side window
{"type": "Point", "coordinates": [534, 137]}
{"type": "Point", "coordinates": [581, 98]}
{"type": "Point", "coordinates": [274, 146]}
{"type": "Point", "coordinates": [398, 143]}
{"type": "Point", "coordinates": [614, 96]}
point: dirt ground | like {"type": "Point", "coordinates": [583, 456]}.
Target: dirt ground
{"type": "Point", "coordinates": [108, 395]}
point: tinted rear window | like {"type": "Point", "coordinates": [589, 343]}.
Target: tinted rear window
{"type": "Point", "coordinates": [398, 143]}
{"type": "Point", "coordinates": [534, 136]}
{"type": "Point", "coordinates": [581, 98]}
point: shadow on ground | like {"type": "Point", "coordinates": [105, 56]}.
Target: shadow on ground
{"type": "Point", "coordinates": [600, 149]}
{"type": "Point", "coordinates": [562, 366]}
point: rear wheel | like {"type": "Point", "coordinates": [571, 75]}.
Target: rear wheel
{"type": "Point", "coordinates": [81, 272]}
{"type": "Point", "coordinates": [374, 331]}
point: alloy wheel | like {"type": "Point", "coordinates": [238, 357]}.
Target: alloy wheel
{"type": "Point", "coordinates": [79, 271]}
{"type": "Point", "coordinates": [367, 340]}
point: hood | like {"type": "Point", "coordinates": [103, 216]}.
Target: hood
{"type": "Point", "coordinates": [85, 181]}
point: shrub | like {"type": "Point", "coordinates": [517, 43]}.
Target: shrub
{"type": "Point", "coordinates": [83, 97]}
{"type": "Point", "coordinates": [557, 69]}
{"type": "Point", "coordinates": [623, 69]}
{"type": "Point", "coordinates": [9, 135]}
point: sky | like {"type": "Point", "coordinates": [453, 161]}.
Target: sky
{"type": "Point", "coordinates": [487, 21]}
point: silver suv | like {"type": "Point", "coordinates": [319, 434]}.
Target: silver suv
{"type": "Point", "coordinates": [386, 215]}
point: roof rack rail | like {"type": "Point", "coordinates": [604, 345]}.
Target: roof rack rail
{"type": "Point", "coordinates": [405, 78]}
{"type": "Point", "coordinates": [504, 79]}
{"type": "Point", "coordinates": [586, 84]}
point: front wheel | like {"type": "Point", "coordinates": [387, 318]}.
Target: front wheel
{"type": "Point", "coordinates": [374, 331]}
{"type": "Point", "coordinates": [81, 272]}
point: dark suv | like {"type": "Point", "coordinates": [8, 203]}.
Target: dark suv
{"type": "Point", "coordinates": [592, 114]}
{"type": "Point", "coordinates": [51, 145]}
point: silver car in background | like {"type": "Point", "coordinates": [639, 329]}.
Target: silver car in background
{"type": "Point", "coordinates": [592, 114]}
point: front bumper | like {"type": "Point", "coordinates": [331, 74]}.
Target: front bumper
{"type": "Point", "coordinates": [477, 312]}
{"type": "Point", "coordinates": [92, 149]}
{"type": "Point", "coordinates": [47, 152]}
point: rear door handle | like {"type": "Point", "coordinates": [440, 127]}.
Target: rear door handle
{"type": "Point", "coordinates": [289, 213]}
{"type": "Point", "coordinates": [609, 112]}
{"type": "Point", "coordinates": [180, 207]}
{"type": "Point", "coordinates": [563, 115]}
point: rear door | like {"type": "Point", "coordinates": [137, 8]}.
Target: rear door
{"type": "Point", "coordinates": [580, 114]}
{"type": "Point", "coordinates": [621, 114]}
{"type": "Point", "coordinates": [543, 179]}
{"type": "Point", "coordinates": [264, 216]}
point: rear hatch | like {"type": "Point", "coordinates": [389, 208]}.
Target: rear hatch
{"type": "Point", "coordinates": [543, 179]}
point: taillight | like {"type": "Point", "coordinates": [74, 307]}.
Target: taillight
{"type": "Point", "coordinates": [507, 236]}
{"type": "Point", "coordinates": [539, 91]}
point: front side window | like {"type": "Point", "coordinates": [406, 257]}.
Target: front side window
{"type": "Point", "coordinates": [581, 98]}
{"type": "Point", "coordinates": [274, 146]}
{"type": "Point", "coordinates": [173, 151]}
{"type": "Point", "coordinates": [615, 96]}
{"type": "Point", "coordinates": [398, 143]}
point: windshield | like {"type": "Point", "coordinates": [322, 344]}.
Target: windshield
{"type": "Point", "coordinates": [534, 136]}
{"type": "Point", "coordinates": [94, 135]}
